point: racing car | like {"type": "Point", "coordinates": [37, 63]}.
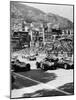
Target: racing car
{"type": "Point", "coordinates": [47, 64]}
{"type": "Point", "coordinates": [66, 64]}
{"type": "Point", "coordinates": [18, 66]}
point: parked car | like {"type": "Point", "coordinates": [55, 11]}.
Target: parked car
{"type": "Point", "coordinates": [18, 66]}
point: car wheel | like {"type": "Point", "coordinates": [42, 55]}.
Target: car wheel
{"type": "Point", "coordinates": [28, 67]}
{"type": "Point", "coordinates": [72, 66]}
{"type": "Point", "coordinates": [38, 64]}
{"type": "Point", "coordinates": [65, 66]}
{"type": "Point", "coordinates": [44, 67]}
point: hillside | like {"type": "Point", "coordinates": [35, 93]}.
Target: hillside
{"type": "Point", "coordinates": [31, 14]}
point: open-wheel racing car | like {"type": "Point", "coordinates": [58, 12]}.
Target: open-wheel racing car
{"type": "Point", "coordinates": [18, 66]}
{"type": "Point", "coordinates": [47, 64]}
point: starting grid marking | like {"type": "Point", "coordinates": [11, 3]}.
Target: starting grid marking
{"type": "Point", "coordinates": [24, 77]}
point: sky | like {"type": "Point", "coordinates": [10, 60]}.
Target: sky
{"type": "Point", "coordinates": [62, 10]}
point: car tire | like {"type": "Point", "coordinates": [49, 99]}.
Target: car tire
{"type": "Point", "coordinates": [27, 67]}
{"type": "Point", "coordinates": [72, 66]}
{"type": "Point", "coordinates": [38, 64]}
{"type": "Point", "coordinates": [44, 67]}
{"type": "Point", "coordinates": [65, 66]}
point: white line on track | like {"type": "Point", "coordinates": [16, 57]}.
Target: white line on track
{"type": "Point", "coordinates": [25, 77]}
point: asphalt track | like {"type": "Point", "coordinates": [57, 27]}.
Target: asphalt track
{"type": "Point", "coordinates": [25, 77]}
